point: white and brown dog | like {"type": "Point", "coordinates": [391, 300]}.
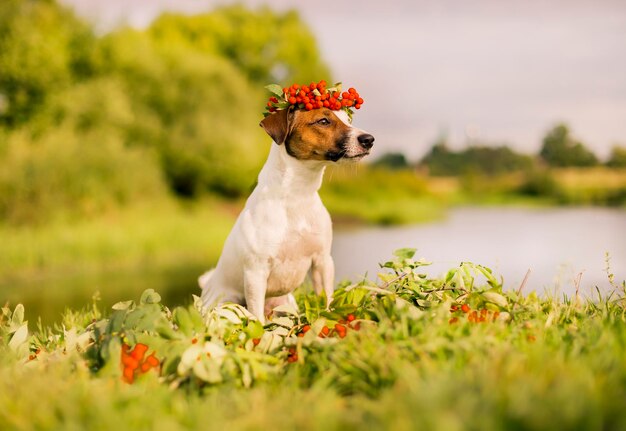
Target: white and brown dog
{"type": "Point", "coordinates": [284, 229]}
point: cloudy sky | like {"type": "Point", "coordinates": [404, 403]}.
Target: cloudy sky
{"type": "Point", "coordinates": [498, 71]}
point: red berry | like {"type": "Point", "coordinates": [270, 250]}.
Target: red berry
{"type": "Point", "coordinates": [306, 328]}
{"type": "Point", "coordinates": [300, 334]}
{"type": "Point", "coordinates": [295, 86]}
{"type": "Point", "coordinates": [326, 104]}
{"type": "Point", "coordinates": [292, 100]}
{"type": "Point", "coordinates": [351, 90]}
{"type": "Point", "coordinates": [273, 99]}
{"type": "Point", "coordinates": [465, 308]}
{"type": "Point", "coordinates": [305, 100]}
{"type": "Point", "coordinates": [453, 320]}
{"type": "Point", "coordinates": [336, 95]}
{"type": "Point", "coordinates": [129, 375]}
{"type": "Point", "coordinates": [139, 350]}
{"type": "Point", "coordinates": [357, 106]}
{"type": "Point", "coordinates": [256, 341]}
{"type": "Point", "coordinates": [152, 360]}
{"type": "Point", "coordinates": [325, 330]}
{"type": "Point", "coordinates": [308, 106]}
{"type": "Point", "coordinates": [359, 101]}
{"type": "Point", "coordinates": [145, 367]}
{"type": "Point", "coordinates": [350, 317]}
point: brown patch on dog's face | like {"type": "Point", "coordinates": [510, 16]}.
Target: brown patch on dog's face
{"type": "Point", "coordinates": [317, 135]}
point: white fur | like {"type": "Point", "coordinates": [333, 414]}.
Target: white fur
{"type": "Point", "coordinates": [283, 232]}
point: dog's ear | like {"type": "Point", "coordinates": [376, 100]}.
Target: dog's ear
{"type": "Point", "coordinates": [278, 125]}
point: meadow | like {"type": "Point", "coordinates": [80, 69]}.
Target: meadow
{"type": "Point", "coordinates": [404, 352]}
{"type": "Point", "coordinates": [126, 157]}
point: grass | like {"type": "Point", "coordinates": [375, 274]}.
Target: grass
{"type": "Point", "coordinates": [410, 357]}
{"type": "Point", "coordinates": [152, 233]}
{"type": "Point", "coordinates": [380, 196]}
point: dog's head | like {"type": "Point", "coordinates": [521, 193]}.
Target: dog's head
{"type": "Point", "coordinates": [319, 134]}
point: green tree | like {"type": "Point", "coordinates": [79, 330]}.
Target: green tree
{"type": "Point", "coordinates": [44, 48]}
{"type": "Point", "coordinates": [392, 161]}
{"type": "Point", "coordinates": [617, 159]}
{"type": "Point", "coordinates": [477, 159]}
{"type": "Point", "coordinates": [561, 149]}
{"type": "Point", "coordinates": [266, 46]}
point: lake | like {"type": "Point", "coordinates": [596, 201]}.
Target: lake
{"type": "Point", "coordinates": [554, 243]}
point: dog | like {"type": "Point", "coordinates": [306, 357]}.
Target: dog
{"type": "Point", "coordinates": [284, 231]}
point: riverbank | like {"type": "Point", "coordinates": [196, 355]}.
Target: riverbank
{"type": "Point", "coordinates": [455, 353]}
{"type": "Point", "coordinates": [66, 260]}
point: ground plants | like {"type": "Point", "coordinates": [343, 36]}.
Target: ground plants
{"type": "Point", "coordinates": [456, 352]}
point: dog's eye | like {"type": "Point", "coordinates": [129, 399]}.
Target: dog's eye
{"type": "Point", "coordinates": [323, 122]}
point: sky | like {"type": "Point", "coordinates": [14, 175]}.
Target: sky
{"type": "Point", "coordinates": [492, 71]}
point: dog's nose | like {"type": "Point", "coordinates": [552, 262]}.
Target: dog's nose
{"type": "Point", "coordinates": [366, 140]}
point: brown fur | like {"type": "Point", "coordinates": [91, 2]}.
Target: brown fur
{"type": "Point", "coordinates": [304, 137]}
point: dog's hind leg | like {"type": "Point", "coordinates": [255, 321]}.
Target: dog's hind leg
{"type": "Point", "coordinates": [203, 280]}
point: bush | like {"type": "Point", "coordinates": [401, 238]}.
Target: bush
{"type": "Point", "coordinates": [65, 172]}
{"type": "Point", "coordinates": [617, 159]}
{"type": "Point", "coordinates": [561, 149]}
{"type": "Point", "coordinates": [539, 182]}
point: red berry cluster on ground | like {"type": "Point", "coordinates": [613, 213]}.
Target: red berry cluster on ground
{"type": "Point", "coordinates": [292, 355]}
{"type": "Point", "coordinates": [341, 328]}
{"type": "Point", "coordinates": [135, 363]}
{"type": "Point", "coordinates": [315, 96]}
{"type": "Point", "coordinates": [473, 316]}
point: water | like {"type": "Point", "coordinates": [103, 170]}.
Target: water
{"type": "Point", "coordinates": [555, 244]}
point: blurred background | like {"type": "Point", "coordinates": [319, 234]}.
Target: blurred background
{"type": "Point", "coordinates": [129, 138]}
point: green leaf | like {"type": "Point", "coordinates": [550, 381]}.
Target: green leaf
{"type": "Point", "coordinates": [182, 319]}
{"type": "Point", "coordinates": [254, 329]}
{"type": "Point", "coordinates": [405, 253]}
{"type": "Point", "coordinates": [19, 337]}
{"type": "Point", "coordinates": [275, 89]}
{"type": "Point", "coordinates": [495, 298]}
{"type": "Point", "coordinates": [149, 296]}
{"type": "Point", "coordinates": [123, 305]}
{"type": "Point", "coordinates": [18, 316]}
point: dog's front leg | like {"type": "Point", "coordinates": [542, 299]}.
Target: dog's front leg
{"type": "Point", "coordinates": [323, 275]}
{"type": "Point", "coordinates": [254, 287]}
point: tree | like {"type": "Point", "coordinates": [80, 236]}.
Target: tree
{"type": "Point", "coordinates": [44, 48]}
{"type": "Point", "coordinates": [617, 159]}
{"type": "Point", "coordinates": [392, 161]}
{"type": "Point", "coordinates": [561, 149]}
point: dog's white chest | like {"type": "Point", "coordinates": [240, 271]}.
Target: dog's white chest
{"type": "Point", "coordinates": [305, 238]}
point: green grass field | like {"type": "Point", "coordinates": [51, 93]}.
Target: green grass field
{"type": "Point", "coordinates": [407, 352]}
